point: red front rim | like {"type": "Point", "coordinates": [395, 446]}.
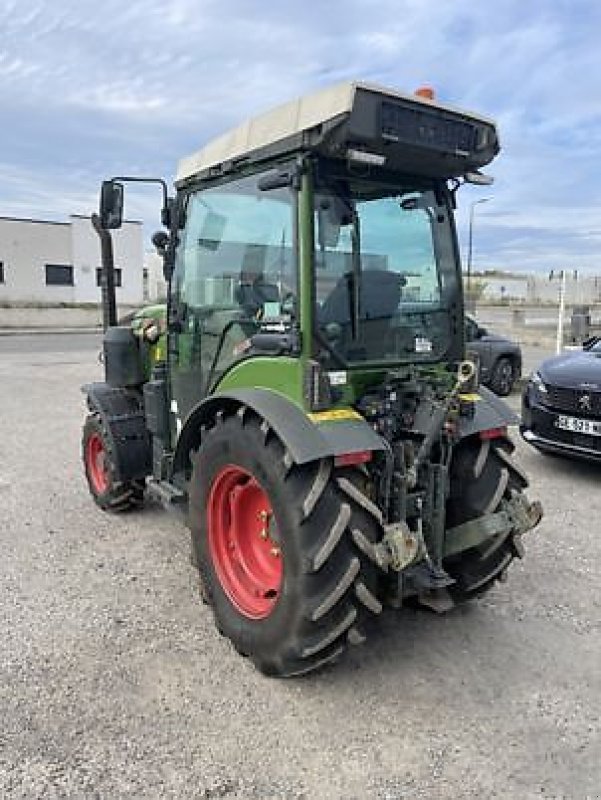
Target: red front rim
{"type": "Point", "coordinates": [96, 463]}
{"type": "Point", "coordinates": [244, 542]}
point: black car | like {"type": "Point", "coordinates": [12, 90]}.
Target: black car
{"type": "Point", "coordinates": [500, 359]}
{"type": "Point", "coordinates": [561, 404]}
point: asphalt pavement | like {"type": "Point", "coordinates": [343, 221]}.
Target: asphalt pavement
{"type": "Point", "coordinates": [115, 684]}
{"type": "Point", "coordinates": [49, 341]}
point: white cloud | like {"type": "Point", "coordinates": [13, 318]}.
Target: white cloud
{"type": "Point", "coordinates": [121, 98]}
{"type": "Point", "coordinates": [91, 89]}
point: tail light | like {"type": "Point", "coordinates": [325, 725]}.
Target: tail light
{"type": "Point", "coordinates": [493, 433]}
{"type": "Point", "coordinates": [352, 459]}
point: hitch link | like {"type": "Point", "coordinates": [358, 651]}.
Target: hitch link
{"type": "Point", "coordinates": [398, 548]}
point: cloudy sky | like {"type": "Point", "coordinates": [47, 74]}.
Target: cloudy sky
{"type": "Point", "coordinates": [89, 90]}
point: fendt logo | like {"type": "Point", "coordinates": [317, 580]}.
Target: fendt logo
{"type": "Point", "coordinates": [584, 401]}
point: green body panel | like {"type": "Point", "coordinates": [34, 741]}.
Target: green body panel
{"type": "Point", "coordinates": [157, 311]}
{"type": "Point", "coordinates": [359, 381]}
{"type": "Point", "coordinates": [151, 352]}
{"type": "Point", "coordinates": [281, 374]}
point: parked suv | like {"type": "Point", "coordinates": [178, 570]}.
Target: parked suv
{"type": "Point", "coordinates": [561, 404]}
{"type": "Point", "coordinates": [500, 358]}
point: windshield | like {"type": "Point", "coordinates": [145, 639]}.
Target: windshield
{"type": "Point", "coordinates": [385, 271]}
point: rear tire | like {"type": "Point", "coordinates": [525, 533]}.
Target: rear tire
{"type": "Point", "coordinates": [483, 476]}
{"type": "Point", "coordinates": [305, 614]}
{"type": "Point", "coordinates": [99, 466]}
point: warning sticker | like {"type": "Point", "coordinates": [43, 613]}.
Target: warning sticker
{"type": "Point", "coordinates": [334, 415]}
{"type": "Point", "coordinates": [422, 345]}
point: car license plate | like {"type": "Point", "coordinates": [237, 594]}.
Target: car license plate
{"type": "Point", "coordinates": [577, 425]}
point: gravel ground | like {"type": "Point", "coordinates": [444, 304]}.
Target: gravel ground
{"type": "Point", "coordinates": [115, 684]}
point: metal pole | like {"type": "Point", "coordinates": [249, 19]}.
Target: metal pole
{"type": "Point", "coordinates": [470, 240]}
{"type": "Point", "coordinates": [562, 303]}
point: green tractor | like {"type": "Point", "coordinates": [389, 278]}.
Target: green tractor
{"type": "Point", "coordinates": [304, 397]}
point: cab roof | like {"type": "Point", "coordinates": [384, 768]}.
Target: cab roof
{"type": "Point", "coordinates": [309, 122]}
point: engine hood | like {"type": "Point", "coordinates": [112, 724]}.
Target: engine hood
{"type": "Point", "coordinates": [573, 370]}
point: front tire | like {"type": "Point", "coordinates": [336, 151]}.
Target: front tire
{"type": "Point", "coordinates": [99, 466]}
{"type": "Point", "coordinates": [276, 547]}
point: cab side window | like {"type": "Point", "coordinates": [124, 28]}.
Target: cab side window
{"type": "Point", "coordinates": [237, 249]}
{"type": "Point", "coordinates": [235, 265]}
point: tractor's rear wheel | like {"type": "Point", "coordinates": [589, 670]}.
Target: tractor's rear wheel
{"type": "Point", "coordinates": [483, 475]}
{"type": "Point", "coordinates": [276, 547]}
{"type": "Point", "coordinates": [99, 465]}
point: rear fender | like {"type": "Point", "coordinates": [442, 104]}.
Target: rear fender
{"type": "Point", "coordinates": [489, 412]}
{"type": "Point", "coordinates": [305, 438]}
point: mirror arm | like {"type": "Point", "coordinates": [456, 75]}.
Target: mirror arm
{"type": "Point", "coordinates": [167, 201]}
{"type": "Point", "coordinates": [134, 179]}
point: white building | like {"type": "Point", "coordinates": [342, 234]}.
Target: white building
{"type": "Point", "coordinates": [155, 284]}
{"type": "Point", "coordinates": [59, 262]}
{"type": "Point", "coordinates": [581, 288]}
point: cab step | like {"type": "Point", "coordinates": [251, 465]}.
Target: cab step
{"type": "Point", "coordinates": [171, 497]}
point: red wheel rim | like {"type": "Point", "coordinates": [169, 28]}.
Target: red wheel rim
{"type": "Point", "coordinates": [96, 463]}
{"type": "Point", "coordinates": [244, 542]}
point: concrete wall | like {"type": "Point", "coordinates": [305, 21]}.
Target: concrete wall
{"type": "Point", "coordinates": [26, 246]}
{"type": "Point", "coordinates": [22, 318]}
{"type": "Point", "coordinates": [128, 249]}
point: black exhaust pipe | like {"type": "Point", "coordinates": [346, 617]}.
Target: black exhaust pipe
{"type": "Point", "coordinates": [109, 304]}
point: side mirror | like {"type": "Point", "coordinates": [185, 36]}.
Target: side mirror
{"type": "Point", "coordinates": [480, 332]}
{"type": "Point", "coordinates": [167, 213]}
{"type": "Point", "coordinates": [111, 205]}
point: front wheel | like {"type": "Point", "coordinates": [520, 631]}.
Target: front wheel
{"type": "Point", "coordinates": [99, 466]}
{"type": "Point", "coordinates": [275, 544]}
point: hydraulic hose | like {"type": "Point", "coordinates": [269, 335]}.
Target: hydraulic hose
{"type": "Point", "coordinates": [465, 373]}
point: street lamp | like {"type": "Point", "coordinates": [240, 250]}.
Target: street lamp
{"type": "Point", "coordinates": [470, 240]}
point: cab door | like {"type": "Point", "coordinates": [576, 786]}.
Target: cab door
{"type": "Point", "coordinates": [235, 265]}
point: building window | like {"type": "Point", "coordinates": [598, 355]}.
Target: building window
{"type": "Point", "coordinates": [117, 277]}
{"type": "Point", "coordinates": [1, 271]}
{"type": "Point", "coordinates": [59, 275]}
